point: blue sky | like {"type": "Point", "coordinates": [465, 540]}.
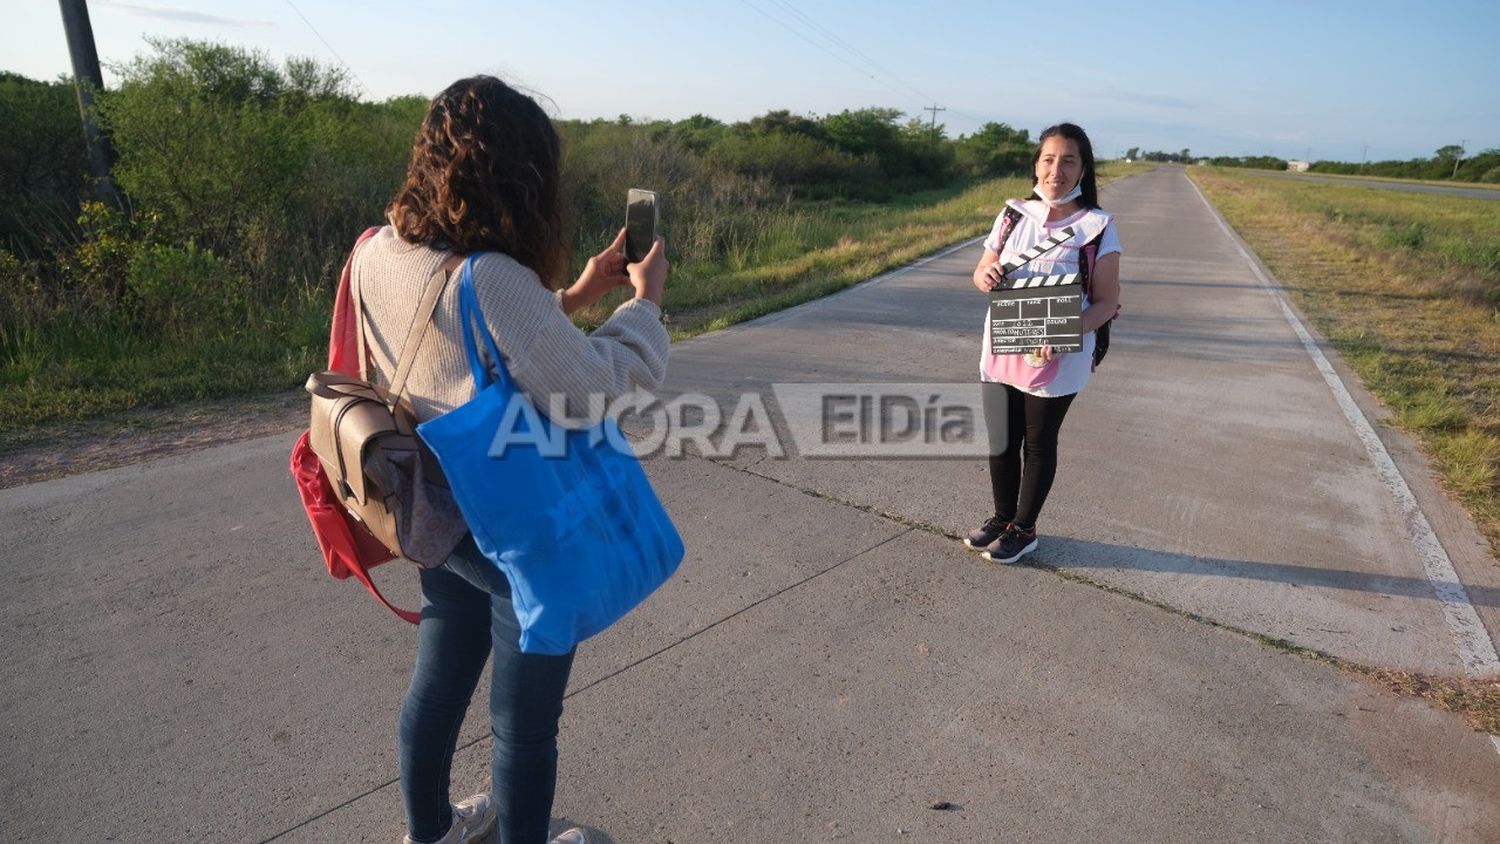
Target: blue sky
{"type": "Point", "coordinates": [1283, 78]}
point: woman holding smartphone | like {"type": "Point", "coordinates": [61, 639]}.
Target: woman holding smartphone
{"type": "Point", "coordinates": [484, 178]}
{"type": "Point", "coordinates": [1027, 395]}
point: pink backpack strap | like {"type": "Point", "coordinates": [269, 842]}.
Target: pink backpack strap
{"type": "Point", "coordinates": [1008, 221]}
{"type": "Point", "coordinates": [1086, 258]}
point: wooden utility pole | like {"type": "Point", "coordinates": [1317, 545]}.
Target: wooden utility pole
{"type": "Point", "coordinates": [87, 78]}
{"type": "Point", "coordinates": [934, 108]}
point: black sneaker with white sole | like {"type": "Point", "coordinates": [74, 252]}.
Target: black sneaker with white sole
{"type": "Point", "coordinates": [1012, 544]}
{"type": "Point", "coordinates": [980, 537]}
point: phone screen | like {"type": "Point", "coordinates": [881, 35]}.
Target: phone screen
{"type": "Point", "coordinates": [640, 223]}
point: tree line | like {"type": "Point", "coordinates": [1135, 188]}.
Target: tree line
{"type": "Point", "coordinates": [1450, 162]}
{"type": "Point", "coordinates": [1447, 163]}
{"type": "Point", "coordinates": [246, 180]}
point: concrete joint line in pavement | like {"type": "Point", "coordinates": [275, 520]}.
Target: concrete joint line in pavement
{"type": "Point", "coordinates": [1476, 649]}
{"type": "Point", "coordinates": [613, 674]}
{"type": "Point", "coordinates": [1065, 574]}
{"type": "Point", "coordinates": [741, 611]}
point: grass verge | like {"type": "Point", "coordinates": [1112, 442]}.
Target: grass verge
{"type": "Point", "coordinates": [1406, 287]}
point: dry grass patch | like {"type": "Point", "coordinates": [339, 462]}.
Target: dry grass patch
{"type": "Point", "coordinates": [1478, 701]}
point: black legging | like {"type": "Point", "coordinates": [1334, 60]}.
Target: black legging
{"type": "Point", "coordinates": [1017, 421]}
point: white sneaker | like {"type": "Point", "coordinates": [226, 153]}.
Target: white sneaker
{"type": "Point", "coordinates": [570, 836]}
{"type": "Point", "coordinates": [473, 819]}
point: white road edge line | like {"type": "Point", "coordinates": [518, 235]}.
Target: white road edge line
{"type": "Point", "coordinates": [1475, 647]}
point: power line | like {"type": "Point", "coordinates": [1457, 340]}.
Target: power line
{"type": "Point", "coordinates": [784, 25]}
{"type": "Point", "coordinates": [833, 38]}
{"type": "Point", "coordinates": [859, 54]}
{"type": "Point", "coordinates": [977, 120]}
{"type": "Point", "coordinates": [335, 53]}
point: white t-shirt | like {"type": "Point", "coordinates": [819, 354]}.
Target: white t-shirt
{"type": "Point", "coordinates": [1074, 368]}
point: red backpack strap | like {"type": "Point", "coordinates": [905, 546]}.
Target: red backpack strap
{"type": "Point", "coordinates": [363, 575]}
{"type": "Point", "coordinates": [342, 341]}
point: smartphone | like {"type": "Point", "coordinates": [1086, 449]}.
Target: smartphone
{"type": "Point", "coordinates": [642, 213]}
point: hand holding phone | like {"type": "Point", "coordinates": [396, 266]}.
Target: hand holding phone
{"type": "Point", "coordinates": [649, 275]}
{"type": "Point", "coordinates": [642, 213]}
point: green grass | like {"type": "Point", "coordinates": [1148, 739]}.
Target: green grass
{"type": "Point", "coordinates": [777, 258]}
{"type": "Point", "coordinates": [1407, 287]}
{"type": "Point", "coordinates": [76, 372]}
{"type": "Point", "coordinates": [1461, 235]}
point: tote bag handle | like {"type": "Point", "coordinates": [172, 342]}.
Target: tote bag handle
{"type": "Point", "coordinates": [473, 320]}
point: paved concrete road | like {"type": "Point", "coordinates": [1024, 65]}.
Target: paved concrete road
{"type": "Point", "coordinates": [1382, 184]}
{"type": "Point", "coordinates": [828, 663]}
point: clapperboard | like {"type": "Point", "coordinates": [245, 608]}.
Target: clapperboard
{"type": "Point", "coordinates": [1039, 311]}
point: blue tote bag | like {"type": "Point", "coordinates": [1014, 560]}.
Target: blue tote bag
{"type": "Point", "coordinates": [567, 515]}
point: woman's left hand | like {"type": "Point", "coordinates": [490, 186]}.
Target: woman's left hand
{"type": "Point", "coordinates": [603, 273]}
{"type": "Point", "coordinates": [1046, 353]}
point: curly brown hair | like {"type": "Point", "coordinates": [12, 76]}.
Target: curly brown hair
{"type": "Point", "coordinates": [485, 176]}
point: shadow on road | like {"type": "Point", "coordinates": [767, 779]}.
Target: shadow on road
{"type": "Point", "coordinates": [1076, 554]}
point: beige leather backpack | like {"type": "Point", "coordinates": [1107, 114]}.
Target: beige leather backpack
{"type": "Point", "coordinates": [365, 437]}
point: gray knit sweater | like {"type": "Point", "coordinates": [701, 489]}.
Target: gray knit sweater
{"type": "Point", "coordinates": [544, 352]}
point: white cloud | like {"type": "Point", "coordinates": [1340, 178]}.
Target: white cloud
{"type": "Point", "coordinates": [186, 16]}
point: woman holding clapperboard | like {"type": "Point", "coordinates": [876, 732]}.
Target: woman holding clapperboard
{"type": "Point", "coordinates": [1026, 395]}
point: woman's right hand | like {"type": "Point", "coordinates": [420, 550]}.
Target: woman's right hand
{"type": "Point", "coordinates": [987, 276]}
{"type": "Point", "coordinates": [649, 275]}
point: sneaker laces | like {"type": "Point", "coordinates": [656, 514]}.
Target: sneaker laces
{"type": "Point", "coordinates": [994, 523]}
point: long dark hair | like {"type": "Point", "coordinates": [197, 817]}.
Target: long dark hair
{"type": "Point", "coordinates": [1074, 133]}
{"type": "Point", "coordinates": [485, 176]}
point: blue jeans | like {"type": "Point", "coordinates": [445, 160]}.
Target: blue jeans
{"type": "Point", "coordinates": [466, 614]}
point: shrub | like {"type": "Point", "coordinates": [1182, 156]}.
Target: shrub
{"type": "Point", "coordinates": [184, 291]}
{"type": "Point", "coordinates": [21, 298]}
{"type": "Point", "coordinates": [43, 162]}
{"type": "Point", "coordinates": [273, 168]}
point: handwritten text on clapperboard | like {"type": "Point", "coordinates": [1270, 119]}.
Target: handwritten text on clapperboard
{"type": "Point", "coordinates": [1023, 319]}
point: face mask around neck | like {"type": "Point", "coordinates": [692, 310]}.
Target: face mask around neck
{"type": "Point", "coordinates": [1073, 194]}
